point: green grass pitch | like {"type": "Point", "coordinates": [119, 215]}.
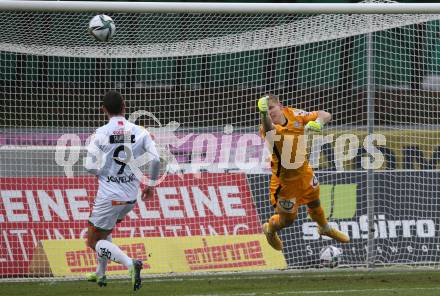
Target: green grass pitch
{"type": "Point", "coordinates": [376, 283]}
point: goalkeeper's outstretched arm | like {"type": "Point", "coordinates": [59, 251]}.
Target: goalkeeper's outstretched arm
{"type": "Point", "coordinates": [318, 124]}
{"type": "Point", "coordinates": [324, 117]}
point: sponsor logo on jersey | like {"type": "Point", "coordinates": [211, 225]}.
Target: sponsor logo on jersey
{"type": "Point", "coordinates": [286, 204]}
{"type": "Point", "coordinates": [124, 138]}
{"type": "Point", "coordinates": [315, 181]}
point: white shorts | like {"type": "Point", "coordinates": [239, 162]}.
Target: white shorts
{"type": "Point", "coordinates": [106, 213]}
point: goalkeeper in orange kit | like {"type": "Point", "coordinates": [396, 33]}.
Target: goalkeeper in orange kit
{"type": "Point", "coordinates": [292, 183]}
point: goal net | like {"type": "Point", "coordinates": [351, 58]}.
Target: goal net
{"type": "Point", "coordinates": [193, 80]}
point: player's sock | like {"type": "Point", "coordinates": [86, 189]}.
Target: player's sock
{"type": "Point", "coordinates": [274, 223]}
{"type": "Point", "coordinates": [317, 215]}
{"type": "Point", "coordinates": [102, 261]}
{"type": "Point", "coordinates": [111, 251]}
{"type": "Point", "coordinates": [101, 266]}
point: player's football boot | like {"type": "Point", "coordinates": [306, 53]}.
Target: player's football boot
{"type": "Point", "coordinates": [272, 238]}
{"type": "Point", "coordinates": [102, 281]}
{"type": "Point", "coordinates": [135, 273]}
{"type": "Point", "coordinates": [91, 276]}
{"type": "Point", "coordinates": [334, 233]}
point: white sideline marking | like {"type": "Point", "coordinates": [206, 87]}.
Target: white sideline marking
{"type": "Point", "coordinates": [322, 292]}
{"type": "Point", "coordinates": [269, 276]}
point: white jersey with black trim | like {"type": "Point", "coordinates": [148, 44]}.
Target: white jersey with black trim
{"type": "Point", "coordinates": [111, 155]}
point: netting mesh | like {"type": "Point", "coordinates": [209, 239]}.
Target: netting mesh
{"type": "Point", "coordinates": [168, 35]}
{"type": "Point", "coordinates": [206, 72]}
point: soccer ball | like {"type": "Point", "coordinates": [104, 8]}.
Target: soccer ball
{"type": "Point", "coordinates": [330, 256]}
{"type": "Point", "coordinates": [102, 27]}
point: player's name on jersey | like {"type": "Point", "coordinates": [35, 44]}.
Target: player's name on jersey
{"type": "Point", "coordinates": [121, 179]}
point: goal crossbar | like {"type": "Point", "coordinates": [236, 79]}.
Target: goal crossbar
{"type": "Point", "coordinates": [200, 7]}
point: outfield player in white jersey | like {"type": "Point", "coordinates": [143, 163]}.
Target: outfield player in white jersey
{"type": "Point", "coordinates": [112, 156]}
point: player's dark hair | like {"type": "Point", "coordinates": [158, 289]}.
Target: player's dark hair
{"type": "Point", "coordinates": [113, 102]}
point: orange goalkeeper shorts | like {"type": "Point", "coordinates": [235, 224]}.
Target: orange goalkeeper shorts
{"type": "Point", "coordinates": [288, 196]}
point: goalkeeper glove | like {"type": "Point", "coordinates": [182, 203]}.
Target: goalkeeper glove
{"type": "Point", "coordinates": [314, 126]}
{"type": "Point", "coordinates": [263, 104]}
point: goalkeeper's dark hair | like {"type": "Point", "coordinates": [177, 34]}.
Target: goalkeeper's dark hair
{"type": "Point", "coordinates": [113, 102]}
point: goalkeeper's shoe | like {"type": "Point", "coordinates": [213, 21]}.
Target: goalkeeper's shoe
{"type": "Point", "coordinates": [272, 238]}
{"type": "Point", "coordinates": [135, 274]}
{"type": "Point", "coordinates": [334, 233]}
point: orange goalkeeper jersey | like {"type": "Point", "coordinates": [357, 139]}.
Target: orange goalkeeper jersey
{"type": "Point", "coordinates": [289, 145]}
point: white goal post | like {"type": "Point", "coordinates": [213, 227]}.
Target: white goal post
{"type": "Point", "coordinates": [192, 73]}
